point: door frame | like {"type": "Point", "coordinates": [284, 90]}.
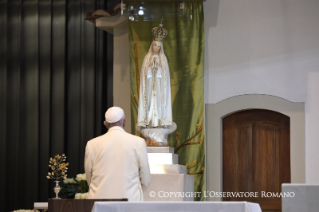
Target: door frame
{"type": "Point", "coordinates": [213, 119]}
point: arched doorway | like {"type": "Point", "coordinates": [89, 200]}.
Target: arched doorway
{"type": "Point", "coordinates": [256, 156]}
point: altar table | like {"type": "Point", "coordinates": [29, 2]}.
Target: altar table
{"type": "Point", "coordinates": [75, 205]}
{"type": "Point", "coordinates": [176, 207]}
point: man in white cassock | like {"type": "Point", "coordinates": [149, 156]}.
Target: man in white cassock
{"type": "Point", "coordinates": [116, 163]}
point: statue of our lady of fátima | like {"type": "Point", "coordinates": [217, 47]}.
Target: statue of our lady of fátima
{"type": "Point", "coordinates": [155, 107]}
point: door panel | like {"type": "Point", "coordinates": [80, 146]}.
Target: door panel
{"type": "Point", "coordinates": [256, 155]}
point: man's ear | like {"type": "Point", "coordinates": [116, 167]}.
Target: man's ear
{"type": "Point", "coordinates": [105, 124]}
{"type": "Point", "coordinates": [124, 122]}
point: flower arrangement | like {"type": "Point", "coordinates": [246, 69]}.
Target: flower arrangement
{"type": "Point", "coordinates": [81, 195]}
{"type": "Point", "coordinates": [58, 167]}
{"type": "Point", "coordinates": [74, 188]}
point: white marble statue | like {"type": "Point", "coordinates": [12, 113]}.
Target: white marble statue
{"type": "Point", "coordinates": [155, 107]}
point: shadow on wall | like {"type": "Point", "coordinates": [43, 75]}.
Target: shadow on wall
{"type": "Point", "coordinates": [212, 8]}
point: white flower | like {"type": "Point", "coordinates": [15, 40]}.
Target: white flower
{"type": "Point", "coordinates": [80, 177]}
{"type": "Point", "coordinates": [24, 210]}
{"type": "Point", "coordinates": [81, 195]}
{"type": "Point", "coordinates": [69, 181]}
{"type": "Point", "coordinates": [77, 196]}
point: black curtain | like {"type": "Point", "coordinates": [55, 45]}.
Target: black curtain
{"type": "Point", "coordinates": [55, 85]}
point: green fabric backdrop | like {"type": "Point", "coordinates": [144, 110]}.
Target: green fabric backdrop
{"type": "Point", "coordinates": [184, 49]}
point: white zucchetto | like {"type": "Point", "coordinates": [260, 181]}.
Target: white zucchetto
{"type": "Point", "coordinates": [114, 114]}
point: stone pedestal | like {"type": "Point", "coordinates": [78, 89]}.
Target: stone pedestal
{"type": "Point", "coordinates": [300, 197]}
{"type": "Point", "coordinates": [170, 181]}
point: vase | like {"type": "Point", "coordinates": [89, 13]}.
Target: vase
{"type": "Point", "coordinates": [57, 189]}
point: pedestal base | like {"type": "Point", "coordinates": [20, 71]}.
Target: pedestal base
{"type": "Point", "coordinates": [300, 197]}
{"type": "Point", "coordinates": [170, 181]}
{"type": "Point", "coordinates": [168, 169]}
{"type": "Point", "coordinates": [162, 158]}
{"type": "Point", "coordinates": [158, 135]}
{"type": "Point", "coordinates": [170, 187]}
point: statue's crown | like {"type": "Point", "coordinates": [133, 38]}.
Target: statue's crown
{"type": "Point", "coordinates": [159, 32]}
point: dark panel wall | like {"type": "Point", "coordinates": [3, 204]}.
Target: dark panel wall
{"type": "Point", "coordinates": [55, 85]}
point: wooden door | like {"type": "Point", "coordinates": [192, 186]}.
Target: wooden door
{"type": "Point", "coordinates": [256, 156]}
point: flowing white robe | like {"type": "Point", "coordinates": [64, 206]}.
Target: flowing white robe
{"type": "Point", "coordinates": [116, 166]}
{"type": "Point", "coordinates": [155, 108]}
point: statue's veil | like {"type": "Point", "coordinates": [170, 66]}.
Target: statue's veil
{"type": "Point", "coordinates": [148, 56]}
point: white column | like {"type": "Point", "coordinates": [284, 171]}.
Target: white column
{"type": "Point", "coordinates": [118, 26]}
{"type": "Point", "coordinates": [312, 132]}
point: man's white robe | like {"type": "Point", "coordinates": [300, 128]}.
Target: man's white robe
{"type": "Point", "coordinates": [116, 166]}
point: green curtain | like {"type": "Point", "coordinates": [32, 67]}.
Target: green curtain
{"type": "Point", "coordinates": [184, 49]}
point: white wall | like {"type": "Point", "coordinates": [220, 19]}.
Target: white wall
{"type": "Point", "coordinates": [266, 47]}
{"type": "Point", "coordinates": [312, 128]}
